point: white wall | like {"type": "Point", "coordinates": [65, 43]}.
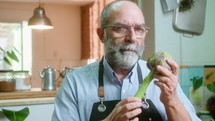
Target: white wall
{"type": "Point", "coordinates": [197, 50]}
{"type": "Point", "coordinates": [60, 46]}
{"type": "Point", "coordinates": [201, 49]}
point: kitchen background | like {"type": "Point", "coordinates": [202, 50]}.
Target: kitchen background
{"type": "Point", "coordinates": [61, 46]}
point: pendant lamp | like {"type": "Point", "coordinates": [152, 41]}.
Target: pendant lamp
{"type": "Point", "coordinates": [39, 20]}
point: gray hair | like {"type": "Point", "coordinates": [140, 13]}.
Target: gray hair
{"type": "Point", "coordinates": [104, 18]}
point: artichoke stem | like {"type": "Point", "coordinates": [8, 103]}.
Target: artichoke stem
{"type": "Point", "coordinates": [141, 91]}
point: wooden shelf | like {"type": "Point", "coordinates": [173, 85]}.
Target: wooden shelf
{"type": "Point", "coordinates": [33, 93]}
{"type": "Point", "coordinates": [26, 101]}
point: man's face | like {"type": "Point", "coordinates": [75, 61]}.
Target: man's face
{"type": "Point", "coordinates": [124, 37]}
{"type": "Point", "coordinates": [122, 55]}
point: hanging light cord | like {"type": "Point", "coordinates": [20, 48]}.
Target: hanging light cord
{"type": "Point", "coordinates": [39, 3]}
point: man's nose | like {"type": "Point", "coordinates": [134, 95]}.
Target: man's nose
{"type": "Point", "coordinates": [131, 36]}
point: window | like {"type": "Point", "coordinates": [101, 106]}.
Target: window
{"type": "Point", "coordinates": [16, 37]}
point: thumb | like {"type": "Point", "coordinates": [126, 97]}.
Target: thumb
{"type": "Point", "coordinates": [135, 119]}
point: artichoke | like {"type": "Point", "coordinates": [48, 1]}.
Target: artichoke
{"type": "Point", "coordinates": [158, 58]}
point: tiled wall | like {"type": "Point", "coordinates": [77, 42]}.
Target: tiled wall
{"type": "Point", "coordinates": [200, 96]}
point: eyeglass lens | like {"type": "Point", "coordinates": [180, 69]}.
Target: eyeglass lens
{"type": "Point", "coordinates": [121, 30]}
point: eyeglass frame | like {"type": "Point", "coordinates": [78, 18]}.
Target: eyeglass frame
{"type": "Point", "coordinates": [128, 28]}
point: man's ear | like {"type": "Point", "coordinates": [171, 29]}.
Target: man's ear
{"type": "Point", "coordinates": [100, 33]}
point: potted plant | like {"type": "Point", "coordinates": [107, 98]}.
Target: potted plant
{"type": "Point", "coordinates": [9, 55]}
{"type": "Point", "coordinates": [185, 5]}
{"type": "Point", "coordinates": [20, 115]}
{"type": "Point", "coordinates": [198, 82]}
{"type": "Point", "coordinates": [203, 91]}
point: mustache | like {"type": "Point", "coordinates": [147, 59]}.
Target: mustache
{"type": "Point", "coordinates": [126, 47]}
{"type": "Point", "coordinates": [117, 48]}
{"type": "Point", "coordinates": [129, 47]}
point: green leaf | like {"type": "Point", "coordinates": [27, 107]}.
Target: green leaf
{"type": "Point", "coordinates": [7, 61]}
{"type": "Point", "coordinates": [13, 56]}
{"type": "Point", "coordinates": [197, 82]}
{"type": "Point", "coordinates": [211, 87]}
{"type": "Point", "coordinates": [209, 75]}
{"type": "Point", "coordinates": [17, 50]}
{"type": "Point", "coordinates": [1, 49]}
{"type": "Point", "coordinates": [185, 5]}
{"type": "Point", "coordinates": [20, 115]}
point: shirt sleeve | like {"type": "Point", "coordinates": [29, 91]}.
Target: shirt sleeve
{"type": "Point", "coordinates": [65, 106]}
{"type": "Point", "coordinates": [187, 104]}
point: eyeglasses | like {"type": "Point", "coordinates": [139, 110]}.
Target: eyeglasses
{"type": "Point", "coordinates": [121, 29]}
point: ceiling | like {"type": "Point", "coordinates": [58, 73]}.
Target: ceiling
{"type": "Point", "coordinates": [75, 2]}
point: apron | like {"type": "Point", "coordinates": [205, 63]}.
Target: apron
{"type": "Point", "coordinates": [103, 108]}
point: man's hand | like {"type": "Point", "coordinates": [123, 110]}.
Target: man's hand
{"type": "Point", "coordinates": [125, 110]}
{"type": "Point", "coordinates": [168, 82]}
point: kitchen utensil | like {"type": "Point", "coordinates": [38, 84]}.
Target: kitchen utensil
{"type": "Point", "coordinates": [48, 76]}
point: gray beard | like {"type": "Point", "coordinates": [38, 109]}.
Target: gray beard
{"type": "Point", "coordinates": [122, 59]}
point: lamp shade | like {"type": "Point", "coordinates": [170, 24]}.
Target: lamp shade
{"type": "Point", "coordinates": [39, 20]}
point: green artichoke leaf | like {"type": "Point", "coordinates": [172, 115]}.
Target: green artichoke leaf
{"type": "Point", "coordinates": [20, 115]}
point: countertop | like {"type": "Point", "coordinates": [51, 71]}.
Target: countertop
{"type": "Point", "coordinates": [31, 97]}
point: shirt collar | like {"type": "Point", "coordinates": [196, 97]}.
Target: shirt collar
{"type": "Point", "coordinates": [112, 75]}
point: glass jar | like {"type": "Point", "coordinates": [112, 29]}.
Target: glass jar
{"type": "Point", "coordinates": [22, 79]}
{"type": "Point", "coordinates": [7, 84]}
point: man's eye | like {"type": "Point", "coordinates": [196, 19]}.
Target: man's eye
{"type": "Point", "coordinates": [119, 28]}
{"type": "Point", "coordinates": [139, 29]}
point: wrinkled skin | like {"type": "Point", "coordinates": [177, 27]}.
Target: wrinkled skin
{"type": "Point", "coordinates": [168, 81]}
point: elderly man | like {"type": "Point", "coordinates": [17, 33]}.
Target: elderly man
{"type": "Point", "coordinates": [105, 90]}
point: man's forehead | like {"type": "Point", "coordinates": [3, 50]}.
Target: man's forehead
{"type": "Point", "coordinates": [127, 15]}
{"type": "Point", "coordinates": [131, 22]}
